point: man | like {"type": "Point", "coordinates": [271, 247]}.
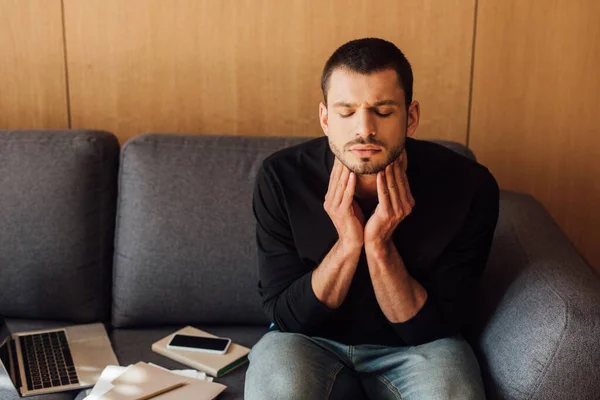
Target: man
{"type": "Point", "coordinates": [370, 245]}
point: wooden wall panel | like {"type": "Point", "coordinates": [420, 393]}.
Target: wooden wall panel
{"type": "Point", "coordinates": [535, 116]}
{"type": "Point", "coordinates": [252, 67]}
{"type": "Point", "coordinates": [32, 67]}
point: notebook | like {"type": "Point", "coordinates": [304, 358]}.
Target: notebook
{"type": "Point", "coordinates": [198, 386]}
{"type": "Point", "coordinates": [145, 381]}
{"type": "Point", "coordinates": [213, 364]}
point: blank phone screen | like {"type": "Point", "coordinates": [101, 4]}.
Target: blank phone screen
{"type": "Point", "coordinates": [196, 342]}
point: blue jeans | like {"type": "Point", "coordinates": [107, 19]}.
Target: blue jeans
{"type": "Point", "coordinates": [295, 366]}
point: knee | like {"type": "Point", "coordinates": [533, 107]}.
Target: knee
{"type": "Point", "coordinates": [276, 349]}
{"type": "Point", "coordinates": [272, 383]}
{"type": "Point", "coordinates": [459, 384]}
{"type": "Point", "coordinates": [456, 370]}
{"type": "Point", "coordinates": [455, 356]}
{"type": "Point", "coordinates": [276, 369]}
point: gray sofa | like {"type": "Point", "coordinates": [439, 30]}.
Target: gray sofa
{"type": "Point", "coordinates": [184, 253]}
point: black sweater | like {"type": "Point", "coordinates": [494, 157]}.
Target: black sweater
{"type": "Point", "coordinates": [444, 244]}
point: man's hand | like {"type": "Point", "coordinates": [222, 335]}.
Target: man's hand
{"type": "Point", "coordinates": [395, 203]}
{"type": "Point", "coordinates": [332, 278]}
{"type": "Point", "coordinates": [344, 212]}
{"type": "Point", "coordinates": [399, 295]}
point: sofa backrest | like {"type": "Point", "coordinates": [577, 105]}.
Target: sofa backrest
{"type": "Point", "coordinates": [185, 249]}
{"type": "Point", "coordinates": [57, 210]}
{"type": "Point", "coordinates": [185, 240]}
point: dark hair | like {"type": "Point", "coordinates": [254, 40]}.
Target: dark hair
{"type": "Point", "coordinates": [366, 56]}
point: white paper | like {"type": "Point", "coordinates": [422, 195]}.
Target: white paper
{"type": "Point", "coordinates": [103, 385]}
{"type": "Point", "coordinates": [201, 376]}
{"type": "Point", "coordinates": [112, 372]}
{"type": "Point", "coordinates": [189, 373]}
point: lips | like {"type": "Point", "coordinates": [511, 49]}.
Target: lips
{"type": "Point", "coordinates": [365, 151]}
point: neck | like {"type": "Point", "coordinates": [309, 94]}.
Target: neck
{"type": "Point", "coordinates": [366, 186]}
{"type": "Point", "coordinates": [366, 191]}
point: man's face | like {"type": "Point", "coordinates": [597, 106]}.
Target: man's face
{"type": "Point", "coordinates": [365, 119]}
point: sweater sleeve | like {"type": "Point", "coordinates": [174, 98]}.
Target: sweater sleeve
{"type": "Point", "coordinates": [451, 287]}
{"type": "Point", "coordinates": [284, 280]}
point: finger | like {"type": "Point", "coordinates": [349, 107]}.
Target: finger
{"type": "Point", "coordinates": [392, 187]}
{"type": "Point", "coordinates": [411, 199]}
{"type": "Point", "coordinates": [404, 159]}
{"type": "Point", "coordinates": [404, 188]}
{"type": "Point", "coordinates": [382, 192]}
{"type": "Point", "coordinates": [335, 171]}
{"type": "Point", "coordinates": [334, 180]}
{"type": "Point", "coordinates": [340, 187]}
{"type": "Point", "coordinates": [405, 179]}
{"type": "Point", "coordinates": [356, 210]}
{"type": "Point", "coordinates": [348, 197]}
{"type": "Point", "coordinates": [401, 179]}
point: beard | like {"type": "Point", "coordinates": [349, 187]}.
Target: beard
{"type": "Point", "coordinates": [367, 166]}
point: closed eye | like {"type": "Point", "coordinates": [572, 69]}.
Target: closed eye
{"type": "Point", "coordinates": [346, 115]}
{"type": "Point", "coordinates": [383, 114]}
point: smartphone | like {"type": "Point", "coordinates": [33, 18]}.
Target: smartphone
{"type": "Point", "coordinates": [199, 343]}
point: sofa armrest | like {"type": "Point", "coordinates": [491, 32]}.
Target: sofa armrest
{"type": "Point", "coordinates": [537, 325]}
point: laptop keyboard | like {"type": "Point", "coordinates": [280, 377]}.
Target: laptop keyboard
{"type": "Point", "coordinates": [48, 361]}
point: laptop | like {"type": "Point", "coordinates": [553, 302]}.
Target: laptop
{"type": "Point", "coordinates": [56, 360]}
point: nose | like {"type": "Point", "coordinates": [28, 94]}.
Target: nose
{"type": "Point", "coordinates": [365, 123]}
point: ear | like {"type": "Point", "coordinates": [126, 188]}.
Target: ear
{"type": "Point", "coordinates": [414, 113]}
{"type": "Point", "coordinates": [324, 118]}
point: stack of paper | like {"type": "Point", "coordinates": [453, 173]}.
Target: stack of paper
{"type": "Point", "coordinates": [149, 381]}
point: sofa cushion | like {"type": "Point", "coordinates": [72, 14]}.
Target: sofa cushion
{"type": "Point", "coordinates": [185, 242]}
{"type": "Point", "coordinates": [133, 345]}
{"type": "Point", "coordinates": [58, 194]}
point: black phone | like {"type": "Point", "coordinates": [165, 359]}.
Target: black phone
{"type": "Point", "coordinates": [215, 345]}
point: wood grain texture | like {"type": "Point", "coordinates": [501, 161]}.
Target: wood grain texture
{"type": "Point", "coordinates": [535, 115]}
{"type": "Point", "coordinates": [32, 68]}
{"type": "Point", "coordinates": [252, 67]}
